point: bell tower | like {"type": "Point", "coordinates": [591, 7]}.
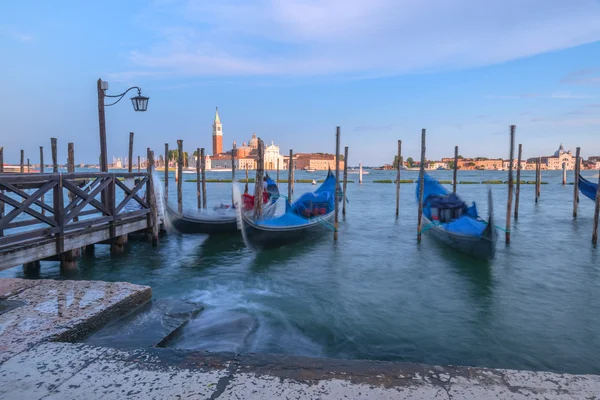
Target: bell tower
{"type": "Point", "coordinates": [217, 134]}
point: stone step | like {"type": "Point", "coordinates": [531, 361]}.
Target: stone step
{"type": "Point", "coordinates": [149, 325]}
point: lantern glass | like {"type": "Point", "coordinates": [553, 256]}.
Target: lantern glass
{"type": "Point", "coordinates": [140, 103]}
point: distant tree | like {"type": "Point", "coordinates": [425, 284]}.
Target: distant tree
{"type": "Point", "coordinates": [410, 162]}
{"type": "Point", "coordinates": [395, 163]}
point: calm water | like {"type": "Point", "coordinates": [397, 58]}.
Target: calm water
{"type": "Point", "coordinates": [377, 294]}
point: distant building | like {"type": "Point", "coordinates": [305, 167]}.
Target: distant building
{"type": "Point", "coordinates": [316, 161]}
{"type": "Point", "coordinates": [217, 134]}
{"type": "Point", "coordinates": [556, 161]}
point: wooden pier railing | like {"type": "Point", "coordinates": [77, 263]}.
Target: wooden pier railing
{"type": "Point", "coordinates": [45, 215]}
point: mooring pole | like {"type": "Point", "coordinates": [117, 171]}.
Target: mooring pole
{"type": "Point", "coordinates": [277, 171]}
{"type": "Point", "coordinates": [576, 183]}
{"type": "Point", "coordinates": [539, 187]}
{"type": "Point", "coordinates": [139, 162]}
{"type": "Point", "coordinates": [360, 174]}
{"type": "Point", "coordinates": [28, 166]}
{"type": "Point", "coordinates": [232, 172]}
{"type": "Point", "coordinates": [345, 180]}
{"type": "Point", "coordinates": [198, 183]}
{"type": "Point", "coordinates": [102, 128]}
{"type": "Point", "coordinates": [2, 191]}
{"type": "Point", "coordinates": [166, 171]}
{"type": "Point", "coordinates": [53, 146]}
{"type": "Point", "coordinates": [518, 188]}
{"type": "Point", "coordinates": [337, 180]}
{"type": "Point", "coordinates": [290, 177]}
{"type": "Point", "coordinates": [70, 157]}
{"type": "Point", "coordinates": [42, 161]}
{"type": "Point", "coordinates": [398, 166]}
{"type": "Point", "coordinates": [455, 169]}
{"type": "Point", "coordinates": [22, 161]}
{"type": "Point", "coordinates": [258, 183]}
{"type": "Point", "coordinates": [564, 173]}
{"type": "Point", "coordinates": [421, 183]}
{"type": "Point", "coordinates": [151, 195]}
{"type": "Point", "coordinates": [203, 167]}
{"type": "Point", "coordinates": [596, 211]}
{"type": "Point", "coordinates": [246, 187]}
{"type": "Point", "coordinates": [510, 181]}
{"type": "Point", "coordinates": [130, 155]}
{"type": "Point", "coordinates": [179, 173]}
{"type": "Point", "coordinates": [537, 178]}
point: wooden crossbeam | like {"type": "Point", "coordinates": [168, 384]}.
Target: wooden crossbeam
{"type": "Point", "coordinates": [24, 207]}
{"type": "Point", "coordinates": [75, 210]}
{"type": "Point", "coordinates": [25, 195]}
{"type": "Point", "coordinates": [131, 194]}
{"type": "Point", "coordinates": [82, 195]}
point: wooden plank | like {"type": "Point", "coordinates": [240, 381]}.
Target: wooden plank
{"type": "Point", "coordinates": [83, 195]}
{"type": "Point", "coordinates": [23, 223]}
{"type": "Point", "coordinates": [74, 210]}
{"type": "Point", "coordinates": [132, 194]}
{"type": "Point", "coordinates": [25, 195]}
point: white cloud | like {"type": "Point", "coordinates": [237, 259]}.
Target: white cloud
{"type": "Point", "coordinates": [13, 33]}
{"type": "Point", "coordinates": [358, 37]}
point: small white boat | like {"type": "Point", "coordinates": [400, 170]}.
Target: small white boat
{"type": "Point", "coordinates": [314, 182]}
{"type": "Point", "coordinates": [355, 171]}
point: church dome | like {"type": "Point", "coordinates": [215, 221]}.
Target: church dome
{"type": "Point", "coordinates": [253, 142]}
{"type": "Point", "coordinates": [560, 151]}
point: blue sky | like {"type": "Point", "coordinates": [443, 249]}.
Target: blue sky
{"type": "Point", "coordinates": [291, 71]}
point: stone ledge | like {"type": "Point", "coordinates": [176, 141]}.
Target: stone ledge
{"type": "Point", "coordinates": [61, 310]}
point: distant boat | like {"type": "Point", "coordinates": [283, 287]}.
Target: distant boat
{"type": "Point", "coordinates": [220, 170]}
{"type": "Point", "coordinates": [308, 170]}
{"type": "Point", "coordinates": [355, 171]}
{"type": "Point", "coordinates": [314, 182]}
{"type": "Point", "coordinates": [451, 221]}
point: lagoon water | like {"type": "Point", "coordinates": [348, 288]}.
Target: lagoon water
{"type": "Point", "coordinates": [376, 293]}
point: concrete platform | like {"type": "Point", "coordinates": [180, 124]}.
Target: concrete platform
{"type": "Point", "coordinates": [60, 310]}
{"type": "Point", "coordinates": [76, 371]}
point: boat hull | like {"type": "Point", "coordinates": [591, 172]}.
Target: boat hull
{"type": "Point", "coordinates": [260, 237]}
{"type": "Point", "coordinates": [482, 247]}
{"type": "Point", "coordinates": [209, 224]}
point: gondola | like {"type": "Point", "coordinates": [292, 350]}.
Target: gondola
{"type": "Point", "coordinates": [308, 217]}
{"type": "Point", "coordinates": [223, 219]}
{"type": "Point", "coordinates": [587, 188]}
{"type": "Point", "coordinates": [450, 220]}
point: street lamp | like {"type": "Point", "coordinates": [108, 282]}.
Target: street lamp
{"type": "Point", "coordinates": [140, 103]}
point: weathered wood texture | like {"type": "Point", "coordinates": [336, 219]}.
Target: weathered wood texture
{"type": "Point", "coordinates": [337, 180]}
{"type": "Point", "coordinates": [576, 184]}
{"type": "Point", "coordinates": [596, 212]}
{"type": "Point", "coordinates": [258, 182]}
{"type": "Point", "coordinates": [54, 228]}
{"type": "Point", "coordinates": [290, 175]}
{"type": "Point", "coordinates": [398, 167]}
{"type": "Point", "coordinates": [198, 183]}
{"type": "Point", "coordinates": [130, 154]}
{"type": "Point", "coordinates": [203, 167]}
{"type": "Point", "coordinates": [179, 176]}
{"type": "Point", "coordinates": [345, 180]}
{"type": "Point", "coordinates": [510, 182]}
{"type": "Point", "coordinates": [518, 185]}
{"type": "Point", "coordinates": [166, 186]}
{"type": "Point", "coordinates": [421, 183]}
{"type": "Point", "coordinates": [455, 169]}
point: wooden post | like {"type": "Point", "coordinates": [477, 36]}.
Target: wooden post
{"type": "Point", "coordinates": [596, 211]}
{"type": "Point", "coordinates": [42, 161]}
{"type": "Point", "coordinates": [232, 172]}
{"type": "Point", "coordinates": [203, 167]}
{"type": "Point", "coordinates": [179, 173]}
{"type": "Point", "coordinates": [139, 163]}
{"type": "Point", "coordinates": [398, 166]}
{"type": "Point", "coordinates": [455, 169]}
{"type": "Point", "coordinates": [564, 173]}
{"type": "Point", "coordinates": [518, 188]}
{"type": "Point", "coordinates": [290, 176]}
{"type": "Point", "coordinates": [337, 180]}
{"type": "Point", "coordinates": [151, 198]}
{"type": "Point", "coordinates": [198, 183]}
{"type": "Point", "coordinates": [539, 188]}
{"type": "Point", "coordinates": [277, 171]}
{"type": "Point", "coordinates": [510, 181]}
{"type": "Point", "coordinates": [258, 185]}
{"type": "Point", "coordinates": [360, 174]}
{"type": "Point", "coordinates": [246, 187]}
{"type": "Point", "coordinates": [345, 180]}
{"type": "Point", "coordinates": [28, 166]}
{"type": "Point", "coordinates": [576, 184]}
{"type": "Point", "coordinates": [421, 183]}
{"type": "Point", "coordinates": [70, 158]}
{"type": "Point", "coordinates": [166, 171]}
{"type": "Point", "coordinates": [22, 161]}
{"type": "Point", "coordinates": [130, 156]}
{"type": "Point", "coordinates": [54, 155]}
{"type": "Point", "coordinates": [537, 177]}
{"type": "Point", "coordinates": [102, 126]}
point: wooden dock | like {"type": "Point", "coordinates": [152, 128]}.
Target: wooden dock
{"type": "Point", "coordinates": [53, 216]}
